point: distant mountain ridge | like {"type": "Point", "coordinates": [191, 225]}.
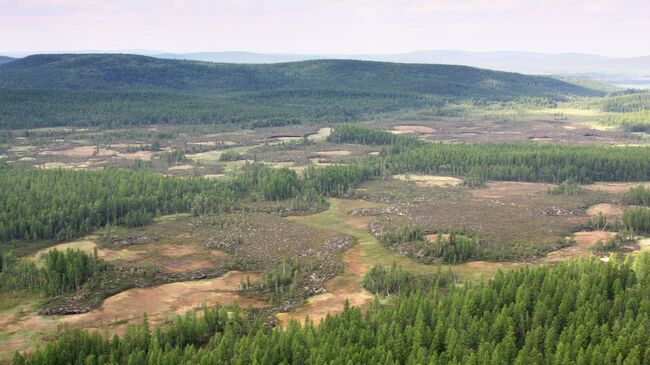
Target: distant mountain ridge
{"type": "Point", "coordinates": [512, 61]}
{"type": "Point", "coordinates": [5, 59]}
{"type": "Point", "coordinates": [121, 89]}
{"type": "Point", "coordinates": [140, 73]}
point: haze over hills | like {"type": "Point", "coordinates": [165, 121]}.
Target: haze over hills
{"type": "Point", "coordinates": [5, 59]}
{"type": "Point", "coordinates": [94, 89]}
{"type": "Point", "coordinates": [131, 72]}
{"type": "Point", "coordinates": [593, 66]}
{"type": "Point", "coordinates": [630, 70]}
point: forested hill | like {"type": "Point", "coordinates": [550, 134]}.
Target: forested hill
{"type": "Point", "coordinates": [5, 59]}
{"type": "Point", "coordinates": [119, 90]}
{"type": "Point", "coordinates": [139, 73]}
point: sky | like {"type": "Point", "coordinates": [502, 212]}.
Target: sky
{"type": "Point", "coordinates": [617, 28]}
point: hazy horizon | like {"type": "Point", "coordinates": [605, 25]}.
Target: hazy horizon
{"type": "Point", "coordinates": [342, 27]}
{"type": "Point", "coordinates": [154, 52]}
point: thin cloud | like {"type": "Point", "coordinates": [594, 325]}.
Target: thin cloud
{"type": "Point", "coordinates": [327, 26]}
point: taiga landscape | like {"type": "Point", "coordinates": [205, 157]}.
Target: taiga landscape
{"type": "Point", "coordinates": [336, 201]}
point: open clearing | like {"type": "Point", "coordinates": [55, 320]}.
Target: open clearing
{"type": "Point", "coordinates": [644, 244]}
{"type": "Point", "coordinates": [321, 135]}
{"type": "Point", "coordinates": [582, 246]}
{"type": "Point", "coordinates": [86, 244]}
{"type": "Point", "coordinates": [502, 189]}
{"type": "Point", "coordinates": [180, 167]}
{"type": "Point", "coordinates": [158, 301]}
{"type": "Point", "coordinates": [334, 153]}
{"type": "Point", "coordinates": [404, 129]}
{"type": "Point", "coordinates": [608, 210]}
{"type": "Point", "coordinates": [23, 330]}
{"type": "Point", "coordinates": [430, 180]}
{"type": "Point", "coordinates": [615, 187]}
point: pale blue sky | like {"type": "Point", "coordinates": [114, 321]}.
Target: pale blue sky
{"type": "Point", "coordinates": [609, 27]}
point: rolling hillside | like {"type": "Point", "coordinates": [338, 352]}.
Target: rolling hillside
{"type": "Point", "coordinates": [5, 59]}
{"type": "Point", "coordinates": [526, 62]}
{"type": "Point", "coordinates": [128, 89]}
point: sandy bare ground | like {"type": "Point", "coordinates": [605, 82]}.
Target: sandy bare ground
{"type": "Point", "coordinates": [126, 145]}
{"type": "Point", "coordinates": [211, 143]}
{"type": "Point", "coordinates": [180, 167]}
{"type": "Point", "coordinates": [403, 129]}
{"type": "Point", "coordinates": [615, 187]}
{"type": "Point", "coordinates": [507, 188]}
{"type": "Point", "coordinates": [21, 330]}
{"type": "Point", "coordinates": [139, 155]}
{"type": "Point", "coordinates": [430, 180]}
{"type": "Point", "coordinates": [608, 210]}
{"type": "Point", "coordinates": [334, 153]}
{"type": "Point", "coordinates": [86, 244]}
{"type": "Point", "coordinates": [321, 135]}
{"type": "Point", "coordinates": [644, 245]}
{"type": "Point", "coordinates": [434, 237]}
{"type": "Point", "coordinates": [95, 151]}
{"type": "Point", "coordinates": [82, 152]}
{"type": "Point", "coordinates": [583, 243]}
{"type": "Point", "coordinates": [317, 161]}
{"type": "Point", "coordinates": [172, 257]}
{"type": "Point", "coordinates": [542, 139]}
{"type": "Point", "coordinates": [174, 298]}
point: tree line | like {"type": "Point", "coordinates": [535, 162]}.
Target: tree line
{"type": "Point", "coordinates": [61, 272]}
{"type": "Point", "coordinates": [387, 282]}
{"type": "Point", "coordinates": [637, 220]}
{"type": "Point", "coordinates": [639, 195]}
{"type": "Point", "coordinates": [581, 312]}
{"type": "Point", "coordinates": [516, 162]}
{"type": "Point", "coordinates": [60, 204]}
{"type": "Point", "coordinates": [413, 241]}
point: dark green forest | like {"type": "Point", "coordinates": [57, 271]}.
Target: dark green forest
{"type": "Point", "coordinates": [581, 312]}
{"type": "Point", "coordinates": [60, 204]}
{"type": "Point", "coordinates": [385, 282]}
{"type": "Point", "coordinates": [515, 162]}
{"type": "Point", "coordinates": [634, 102]}
{"type": "Point", "coordinates": [124, 90]}
{"type": "Point", "coordinates": [62, 272]}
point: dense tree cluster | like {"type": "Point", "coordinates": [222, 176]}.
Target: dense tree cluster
{"type": "Point", "coordinates": [405, 233]}
{"type": "Point", "coordinates": [516, 162]}
{"type": "Point", "coordinates": [68, 270]}
{"type": "Point", "coordinates": [62, 272]}
{"type": "Point", "coordinates": [454, 249]}
{"type": "Point", "coordinates": [631, 122]}
{"type": "Point", "coordinates": [59, 204]}
{"type": "Point", "coordinates": [567, 187]}
{"type": "Point", "coordinates": [637, 220]}
{"type": "Point", "coordinates": [527, 162]}
{"type": "Point", "coordinates": [361, 135]}
{"type": "Point", "coordinates": [413, 241]}
{"type": "Point", "coordinates": [231, 155]}
{"type": "Point", "coordinates": [338, 179]}
{"type": "Point", "coordinates": [584, 312]}
{"type": "Point", "coordinates": [639, 195]}
{"type": "Point", "coordinates": [627, 103]}
{"type": "Point", "coordinates": [175, 156]}
{"type": "Point", "coordinates": [615, 243]}
{"type": "Point", "coordinates": [385, 282]}
{"type": "Point", "coordinates": [283, 283]}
